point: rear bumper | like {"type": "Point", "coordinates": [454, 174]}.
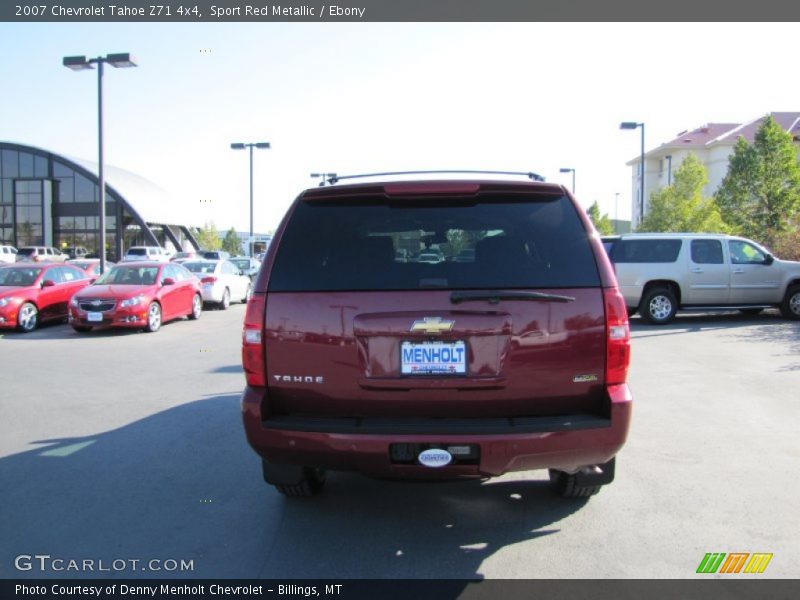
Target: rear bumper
{"type": "Point", "coordinates": [564, 443]}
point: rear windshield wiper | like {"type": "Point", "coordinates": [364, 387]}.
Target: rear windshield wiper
{"type": "Point", "coordinates": [495, 296]}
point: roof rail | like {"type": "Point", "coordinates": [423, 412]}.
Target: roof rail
{"type": "Point", "coordinates": [336, 178]}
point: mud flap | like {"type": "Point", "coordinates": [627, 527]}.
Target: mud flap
{"type": "Point", "coordinates": [585, 477]}
{"type": "Point", "coordinates": [282, 474]}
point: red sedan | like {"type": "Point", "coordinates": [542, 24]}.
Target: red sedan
{"type": "Point", "coordinates": [32, 293]}
{"type": "Point", "coordinates": [141, 295]}
{"type": "Point", "coordinates": [90, 265]}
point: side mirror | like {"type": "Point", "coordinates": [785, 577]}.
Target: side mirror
{"type": "Point", "coordinates": [168, 281]}
{"type": "Point", "coordinates": [769, 259]}
{"type": "Point", "coordinates": [48, 283]}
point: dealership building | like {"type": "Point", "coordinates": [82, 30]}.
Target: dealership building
{"type": "Point", "coordinates": [51, 200]}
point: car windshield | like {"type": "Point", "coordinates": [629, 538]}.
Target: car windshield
{"type": "Point", "coordinates": [201, 267]}
{"type": "Point", "coordinates": [124, 275]}
{"type": "Point", "coordinates": [18, 276]}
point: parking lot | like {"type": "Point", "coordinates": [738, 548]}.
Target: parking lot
{"type": "Point", "coordinates": [123, 445]}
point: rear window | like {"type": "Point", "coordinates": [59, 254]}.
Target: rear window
{"type": "Point", "coordinates": [646, 251]}
{"type": "Point", "coordinates": [407, 245]}
{"type": "Point", "coordinates": [200, 267]}
{"type": "Point", "coordinates": [137, 252]}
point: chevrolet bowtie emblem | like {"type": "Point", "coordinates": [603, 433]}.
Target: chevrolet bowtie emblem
{"type": "Point", "coordinates": [432, 325]}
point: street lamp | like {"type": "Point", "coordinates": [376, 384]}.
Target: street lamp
{"type": "Point", "coordinates": [566, 170]}
{"type": "Point", "coordinates": [242, 146]}
{"type": "Point", "coordinates": [81, 63]}
{"type": "Point", "coordinates": [634, 125]}
{"type": "Point", "coordinates": [616, 212]}
{"type": "Point", "coordinates": [329, 177]}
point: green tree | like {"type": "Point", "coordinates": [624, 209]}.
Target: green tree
{"type": "Point", "coordinates": [208, 237]}
{"type": "Point", "coordinates": [601, 222]}
{"type": "Point", "coordinates": [232, 244]}
{"type": "Point", "coordinates": [682, 206]}
{"type": "Point", "coordinates": [760, 195]}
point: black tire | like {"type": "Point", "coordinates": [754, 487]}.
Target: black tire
{"type": "Point", "coordinates": [27, 317]}
{"type": "Point", "coordinates": [197, 307]}
{"type": "Point", "coordinates": [153, 318]}
{"type": "Point", "coordinates": [81, 328]}
{"type": "Point", "coordinates": [564, 485]}
{"type": "Point", "coordinates": [226, 300]}
{"type": "Point", "coordinates": [790, 307]}
{"type": "Point", "coordinates": [751, 311]}
{"type": "Point", "coordinates": [658, 306]}
{"type": "Point", "coordinates": [248, 293]}
{"type": "Point", "coordinates": [631, 310]}
{"type": "Point", "coordinates": [311, 484]}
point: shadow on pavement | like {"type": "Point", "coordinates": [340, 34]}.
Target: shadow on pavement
{"type": "Point", "coordinates": [183, 484]}
{"type": "Point", "coordinates": [696, 322]}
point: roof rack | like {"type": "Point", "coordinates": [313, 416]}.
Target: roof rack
{"type": "Point", "coordinates": [336, 178]}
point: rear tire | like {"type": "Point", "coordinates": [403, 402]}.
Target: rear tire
{"type": "Point", "coordinates": [565, 485]}
{"type": "Point", "coordinates": [294, 481]}
{"type": "Point", "coordinates": [658, 306]}
{"type": "Point", "coordinates": [226, 300]}
{"type": "Point", "coordinates": [247, 294]}
{"type": "Point", "coordinates": [197, 307]}
{"type": "Point", "coordinates": [790, 307]}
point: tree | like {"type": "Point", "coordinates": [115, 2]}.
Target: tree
{"type": "Point", "coordinates": [760, 195]}
{"type": "Point", "coordinates": [682, 206]}
{"type": "Point", "coordinates": [208, 237]}
{"type": "Point", "coordinates": [232, 244]}
{"type": "Point", "coordinates": [601, 223]}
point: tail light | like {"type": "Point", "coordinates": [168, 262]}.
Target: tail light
{"type": "Point", "coordinates": [253, 342]}
{"type": "Point", "coordinates": [618, 343]}
{"type": "Point", "coordinates": [208, 280]}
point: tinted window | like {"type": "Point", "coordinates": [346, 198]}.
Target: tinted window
{"type": "Point", "coordinates": [707, 252]}
{"type": "Point", "coordinates": [124, 275]}
{"type": "Point", "coordinates": [27, 251]}
{"type": "Point", "coordinates": [200, 267]}
{"type": "Point", "coordinates": [496, 243]}
{"type": "Point", "coordinates": [18, 276]}
{"type": "Point", "coordinates": [137, 251]}
{"type": "Point", "coordinates": [646, 251]}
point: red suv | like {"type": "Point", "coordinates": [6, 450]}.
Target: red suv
{"type": "Point", "coordinates": [510, 353]}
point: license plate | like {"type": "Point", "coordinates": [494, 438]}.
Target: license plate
{"type": "Point", "coordinates": [433, 358]}
{"type": "Point", "coordinates": [94, 317]}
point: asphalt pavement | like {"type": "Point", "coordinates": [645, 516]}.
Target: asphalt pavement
{"type": "Point", "coordinates": [129, 446]}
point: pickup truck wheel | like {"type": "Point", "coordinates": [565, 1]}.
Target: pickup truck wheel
{"type": "Point", "coordinates": [310, 484]}
{"type": "Point", "coordinates": [658, 306]}
{"type": "Point", "coordinates": [564, 484]}
{"type": "Point", "coordinates": [790, 307]}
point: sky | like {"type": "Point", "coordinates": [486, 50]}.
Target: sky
{"type": "Point", "coordinates": [367, 97]}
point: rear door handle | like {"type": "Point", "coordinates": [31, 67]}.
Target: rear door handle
{"type": "Point", "coordinates": [697, 270]}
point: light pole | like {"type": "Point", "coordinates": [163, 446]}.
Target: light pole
{"type": "Point", "coordinates": [616, 212]}
{"type": "Point", "coordinates": [634, 125]}
{"type": "Point", "coordinates": [329, 177]}
{"type": "Point", "coordinates": [81, 63]}
{"type": "Point", "coordinates": [566, 170]}
{"type": "Point", "coordinates": [242, 146]}
{"type": "Point", "coordinates": [669, 169]}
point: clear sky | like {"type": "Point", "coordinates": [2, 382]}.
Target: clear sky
{"type": "Point", "coordinates": [354, 98]}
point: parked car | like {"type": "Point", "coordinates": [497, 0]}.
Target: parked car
{"type": "Point", "coordinates": [146, 253]}
{"type": "Point", "coordinates": [221, 281]}
{"type": "Point", "coordinates": [8, 254]}
{"type": "Point", "coordinates": [76, 252]}
{"type": "Point", "coordinates": [184, 256]}
{"type": "Point", "coordinates": [31, 294]}
{"type": "Point", "coordinates": [660, 274]}
{"type": "Point", "coordinates": [141, 295]}
{"type": "Point", "coordinates": [40, 254]}
{"type": "Point", "coordinates": [356, 360]}
{"type": "Point", "coordinates": [214, 254]}
{"type": "Point", "coordinates": [248, 266]}
{"type": "Point", "coordinates": [90, 265]}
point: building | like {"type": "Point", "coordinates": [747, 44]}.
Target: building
{"type": "Point", "coordinates": [712, 144]}
{"type": "Point", "coordinates": [52, 200]}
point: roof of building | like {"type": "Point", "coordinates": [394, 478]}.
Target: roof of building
{"type": "Point", "coordinates": [726, 134]}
